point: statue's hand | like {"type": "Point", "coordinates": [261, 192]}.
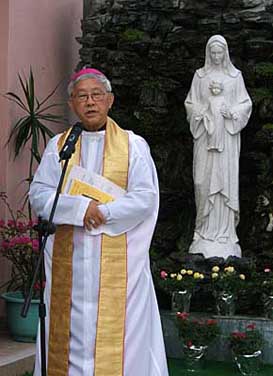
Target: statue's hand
{"type": "Point", "coordinates": [225, 111]}
{"type": "Point", "coordinates": [200, 115]}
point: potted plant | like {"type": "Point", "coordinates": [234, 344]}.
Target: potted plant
{"type": "Point", "coordinates": [180, 285]}
{"type": "Point", "coordinates": [226, 282]}
{"type": "Point", "coordinates": [20, 245]}
{"type": "Point", "coordinates": [264, 282]}
{"type": "Point", "coordinates": [246, 347]}
{"type": "Point", "coordinates": [31, 128]}
{"type": "Point", "coordinates": [196, 334]}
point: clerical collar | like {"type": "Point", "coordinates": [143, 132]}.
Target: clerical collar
{"type": "Point", "coordinates": [103, 128]}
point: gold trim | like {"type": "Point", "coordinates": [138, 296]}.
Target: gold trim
{"type": "Point", "coordinates": [109, 351]}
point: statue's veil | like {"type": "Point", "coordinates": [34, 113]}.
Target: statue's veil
{"type": "Point", "coordinates": [228, 67]}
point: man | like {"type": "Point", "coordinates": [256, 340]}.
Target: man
{"type": "Point", "coordinates": [102, 316]}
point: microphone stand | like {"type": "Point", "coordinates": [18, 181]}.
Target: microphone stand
{"type": "Point", "coordinates": [44, 228]}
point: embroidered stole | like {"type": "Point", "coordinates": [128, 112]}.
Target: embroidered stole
{"type": "Point", "coordinates": [109, 349]}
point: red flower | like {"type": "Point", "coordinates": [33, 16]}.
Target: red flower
{"type": "Point", "coordinates": [11, 223]}
{"type": "Point", "coordinates": [251, 326]}
{"type": "Point", "coordinates": [35, 245]}
{"type": "Point", "coordinates": [163, 274]}
{"type": "Point", "coordinates": [182, 315]}
{"type": "Point", "coordinates": [211, 322]}
{"type": "Point", "coordinates": [2, 223]}
{"type": "Point", "coordinates": [189, 344]}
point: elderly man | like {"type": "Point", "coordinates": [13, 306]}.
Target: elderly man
{"type": "Point", "coordinates": [102, 316]}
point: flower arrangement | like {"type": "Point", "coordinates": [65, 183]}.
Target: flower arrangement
{"type": "Point", "coordinates": [246, 342]}
{"type": "Point", "coordinates": [184, 279]}
{"type": "Point", "coordinates": [265, 281]}
{"type": "Point", "coordinates": [227, 279]}
{"type": "Point", "coordinates": [20, 245]}
{"type": "Point", "coordinates": [197, 332]}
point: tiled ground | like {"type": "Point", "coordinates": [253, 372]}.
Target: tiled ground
{"type": "Point", "coordinates": [15, 357]}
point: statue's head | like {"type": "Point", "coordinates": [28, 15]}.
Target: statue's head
{"type": "Point", "coordinates": [217, 56]}
{"type": "Point", "coordinates": [217, 52]}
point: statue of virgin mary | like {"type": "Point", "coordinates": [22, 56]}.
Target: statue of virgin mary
{"type": "Point", "coordinates": [218, 108]}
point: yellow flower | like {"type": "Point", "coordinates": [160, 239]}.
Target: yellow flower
{"type": "Point", "coordinates": [201, 276]}
{"type": "Point", "coordinates": [196, 275]}
{"type": "Point", "coordinates": [179, 277]}
{"type": "Point", "coordinates": [214, 275]}
{"type": "Point", "coordinates": [173, 275]}
{"type": "Point", "coordinates": [229, 269]}
{"type": "Point", "coordinates": [215, 269]}
{"type": "Point", "coordinates": [189, 272]}
{"type": "Point", "coordinates": [242, 277]}
{"type": "Point", "coordinates": [183, 271]}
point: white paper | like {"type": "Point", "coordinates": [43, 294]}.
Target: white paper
{"type": "Point", "coordinates": [95, 180]}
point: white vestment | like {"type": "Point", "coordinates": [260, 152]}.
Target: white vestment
{"type": "Point", "coordinates": [136, 214]}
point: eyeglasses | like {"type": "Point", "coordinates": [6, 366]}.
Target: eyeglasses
{"type": "Point", "coordinates": [96, 96]}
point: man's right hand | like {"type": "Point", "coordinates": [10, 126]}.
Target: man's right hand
{"type": "Point", "coordinates": [93, 217]}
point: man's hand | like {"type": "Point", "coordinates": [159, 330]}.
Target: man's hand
{"type": "Point", "coordinates": [93, 217]}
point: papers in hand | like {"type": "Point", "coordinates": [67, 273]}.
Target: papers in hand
{"type": "Point", "coordinates": [86, 183]}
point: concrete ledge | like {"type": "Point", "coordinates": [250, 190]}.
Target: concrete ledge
{"type": "Point", "coordinates": [15, 357]}
{"type": "Point", "coordinates": [219, 350]}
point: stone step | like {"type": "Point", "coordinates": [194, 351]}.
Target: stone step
{"type": "Point", "coordinates": [15, 357]}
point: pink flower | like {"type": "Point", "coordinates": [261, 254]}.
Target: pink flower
{"type": "Point", "coordinates": [182, 315]}
{"type": "Point", "coordinates": [251, 326]}
{"type": "Point", "coordinates": [35, 245]}
{"type": "Point", "coordinates": [2, 223]}
{"type": "Point", "coordinates": [5, 244]}
{"type": "Point", "coordinates": [163, 274]}
{"type": "Point", "coordinates": [11, 223]}
{"type": "Point", "coordinates": [267, 270]}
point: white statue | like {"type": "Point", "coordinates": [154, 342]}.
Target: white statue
{"type": "Point", "coordinates": [218, 108]}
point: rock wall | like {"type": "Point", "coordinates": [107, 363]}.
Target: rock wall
{"type": "Point", "coordinates": [150, 50]}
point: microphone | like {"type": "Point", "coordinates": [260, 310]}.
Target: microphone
{"type": "Point", "coordinates": [69, 147]}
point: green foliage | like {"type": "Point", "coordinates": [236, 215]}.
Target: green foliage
{"type": "Point", "coordinates": [268, 126]}
{"type": "Point", "coordinates": [264, 70]}
{"type": "Point", "coordinates": [31, 127]}
{"type": "Point", "coordinates": [176, 281]}
{"type": "Point", "coordinates": [246, 342]}
{"type": "Point", "coordinates": [227, 280]}
{"type": "Point", "coordinates": [197, 332]}
{"type": "Point", "coordinates": [260, 94]}
{"type": "Point", "coordinates": [132, 35]}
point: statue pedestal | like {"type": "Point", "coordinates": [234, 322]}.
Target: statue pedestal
{"type": "Point", "coordinates": [211, 248]}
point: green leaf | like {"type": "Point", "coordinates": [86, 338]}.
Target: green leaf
{"type": "Point", "coordinates": [14, 98]}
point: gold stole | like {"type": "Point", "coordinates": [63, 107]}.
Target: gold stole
{"type": "Point", "coordinates": [109, 348]}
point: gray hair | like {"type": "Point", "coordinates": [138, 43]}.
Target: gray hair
{"type": "Point", "coordinates": [104, 80]}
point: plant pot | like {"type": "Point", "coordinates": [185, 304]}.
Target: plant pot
{"type": "Point", "coordinates": [225, 303]}
{"type": "Point", "coordinates": [248, 364]}
{"type": "Point", "coordinates": [21, 329]}
{"type": "Point", "coordinates": [181, 301]}
{"type": "Point", "coordinates": [193, 357]}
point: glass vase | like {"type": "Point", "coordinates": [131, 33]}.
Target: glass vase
{"type": "Point", "coordinates": [181, 301]}
{"type": "Point", "coordinates": [248, 364]}
{"type": "Point", "coordinates": [193, 357]}
{"type": "Point", "coordinates": [225, 303]}
{"type": "Point", "coordinates": [268, 306]}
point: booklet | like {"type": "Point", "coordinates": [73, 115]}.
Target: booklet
{"type": "Point", "coordinates": [83, 182]}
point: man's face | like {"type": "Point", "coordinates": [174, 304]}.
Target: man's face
{"type": "Point", "coordinates": [91, 103]}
